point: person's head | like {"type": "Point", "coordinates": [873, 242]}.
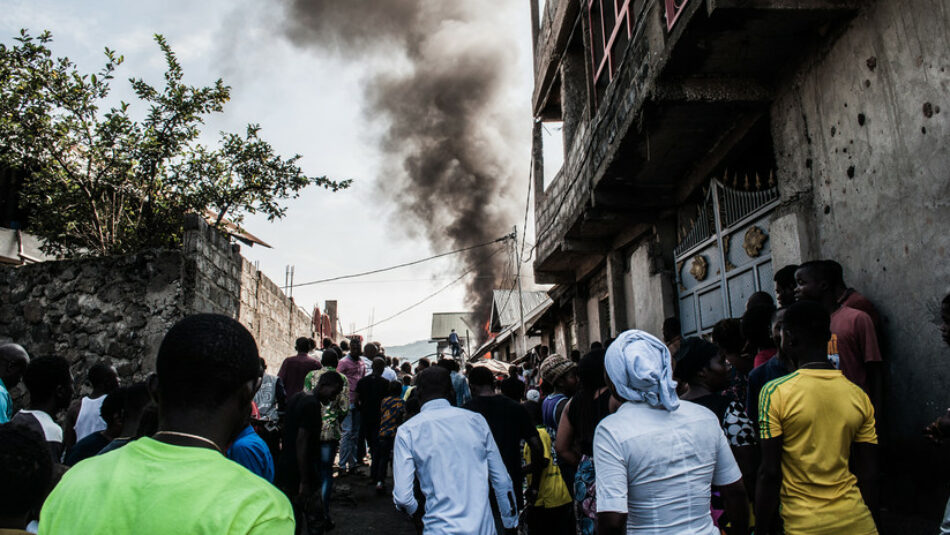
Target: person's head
{"type": "Point", "coordinates": [370, 351]}
{"type": "Point", "coordinates": [329, 386]}
{"type": "Point", "coordinates": [561, 373]}
{"type": "Point", "coordinates": [534, 410]}
{"type": "Point", "coordinates": [394, 361]}
{"type": "Point", "coordinates": [727, 335]}
{"type": "Point", "coordinates": [302, 345]}
{"type": "Point", "coordinates": [344, 345]}
{"type": "Point", "coordinates": [760, 299]}
{"type": "Point", "coordinates": [433, 383]}
{"type": "Point", "coordinates": [512, 388]}
{"type": "Point", "coordinates": [327, 343]}
{"type": "Point", "coordinates": [103, 378]}
{"type": "Point", "coordinates": [406, 368]}
{"type": "Point", "coordinates": [757, 327]}
{"type": "Point", "coordinates": [330, 358]}
{"type": "Point", "coordinates": [785, 285]}
{"type": "Point", "coordinates": [575, 356]}
{"type": "Point", "coordinates": [136, 401]}
{"type": "Point", "coordinates": [468, 369]}
{"type": "Point", "coordinates": [379, 364]}
{"type": "Point", "coordinates": [671, 329]}
{"type": "Point", "coordinates": [422, 364]}
{"type": "Point", "coordinates": [356, 347]}
{"type": "Point", "coordinates": [700, 363]}
{"type": "Point", "coordinates": [395, 389]}
{"type": "Point", "coordinates": [13, 362]}
{"type": "Point", "coordinates": [514, 371]}
{"type": "Point", "coordinates": [26, 471]}
{"type": "Point", "coordinates": [836, 276]}
{"type": "Point", "coordinates": [482, 380]}
{"type": "Point", "coordinates": [453, 330]}
{"type": "Point", "coordinates": [50, 383]}
{"type": "Point", "coordinates": [813, 282]}
{"type": "Point", "coordinates": [207, 371]}
{"type": "Point", "coordinates": [945, 319]}
{"type": "Point", "coordinates": [594, 346]}
{"type": "Point", "coordinates": [544, 351]}
{"type": "Point", "coordinates": [639, 368]}
{"type": "Point", "coordinates": [112, 411]}
{"type": "Point", "coordinates": [590, 371]}
{"type": "Point", "coordinates": [806, 329]}
{"type": "Point", "coordinates": [449, 364]}
{"type": "Point", "coordinates": [407, 380]}
{"type": "Point", "coordinates": [546, 389]}
{"type": "Point", "coordinates": [777, 326]}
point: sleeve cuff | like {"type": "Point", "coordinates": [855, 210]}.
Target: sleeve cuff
{"type": "Point", "coordinates": [611, 505]}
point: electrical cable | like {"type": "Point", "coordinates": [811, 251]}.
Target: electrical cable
{"type": "Point", "coordinates": [381, 270]}
{"type": "Point", "coordinates": [430, 296]}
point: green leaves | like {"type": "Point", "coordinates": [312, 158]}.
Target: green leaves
{"type": "Point", "coordinates": [102, 182]}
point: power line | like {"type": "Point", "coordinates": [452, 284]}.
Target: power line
{"type": "Point", "coordinates": [381, 270]}
{"type": "Point", "coordinates": [430, 296]}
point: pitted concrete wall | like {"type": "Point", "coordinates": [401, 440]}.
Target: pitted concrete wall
{"type": "Point", "coordinates": [863, 148]}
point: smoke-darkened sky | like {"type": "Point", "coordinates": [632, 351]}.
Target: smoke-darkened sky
{"type": "Point", "coordinates": [425, 103]}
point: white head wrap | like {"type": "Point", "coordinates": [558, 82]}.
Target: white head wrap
{"type": "Point", "coordinates": [533, 395]}
{"type": "Point", "coordinates": [639, 366]}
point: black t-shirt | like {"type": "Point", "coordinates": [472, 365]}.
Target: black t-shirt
{"type": "Point", "coordinates": [89, 446]}
{"type": "Point", "coordinates": [371, 390]}
{"type": "Point", "coordinates": [303, 412]}
{"type": "Point", "coordinates": [510, 424]}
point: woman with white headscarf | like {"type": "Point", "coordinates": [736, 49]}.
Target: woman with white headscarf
{"type": "Point", "coordinates": [657, 457]}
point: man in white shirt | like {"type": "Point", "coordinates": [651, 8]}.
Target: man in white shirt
{"type": "Point", "coordinates": [51, 387]}
{"type": "Point", "coordinates": [453, 454]}
{"type": "Point", "coordinates": [657, 457]}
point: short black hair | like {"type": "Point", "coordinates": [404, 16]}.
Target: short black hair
{"type": "Point", "coordinates": [590, 370]}
{"type": "Point", "coordinates": [757, 326]}
{"type": "Point", "coordinates": [760, 299]}
{"type": "Point", "coordinates": [727, 334]}
{"type": "Point", "coordinates": [113, 405]}
{"type": "Point", "coordinates": [785, 277]}
{"type": "Point", "coordinates": [302, 345]}
{"type": "Point", "coordinates": [407, 380]}
{"type": "Point", "coordinates": [406, 367]}
{"type": "Point", "coordinates": [204, 359]}
{"type": "Point", "coordinates": [136, 399]}
{"type": "Point", "coordinates": [449, 364]}
{"type": "Point", "coordinates": [344, 345]}
{"type": "Point", "coordinates": [26, 470]}
{"type": "Point", "coordinates": [327, 343]}
{"type": "Point", "coordinates": [596, 345]}
{"type": "Point", "coordinates": [821, 269]}
{"type": "Point", "coordinates": [395, 388]}
{"type": "Point", "coordinates": [329, 379]}
{"type": "Point", "coordinates": [693, 357]}
{"type": "Point", "coordinates": [481, 376]}
{"type": "Point", "coordinates": [44, 374]}
{"type": "Point", "coordinates": [835, 272]}
{"type": "Point", "coordinates": [330, 357]}
{"type": "Point", "coordinates": [433, 382]}
{"type": "Point", "coordinates": [99, 373]}
{"type": "Point", "coordinates": [808, 320]}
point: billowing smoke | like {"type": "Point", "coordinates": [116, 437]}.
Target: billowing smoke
{"type": "Point", "coordinates": [444, 84]}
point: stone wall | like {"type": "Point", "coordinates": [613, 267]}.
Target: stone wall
{"type": "Point", "coordinates": [119, 308]}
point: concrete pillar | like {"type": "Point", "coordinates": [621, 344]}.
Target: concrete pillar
{"type": "Point", "coordinates": [581, 324]}
{"type": "Point", "coordinates": [616, 294]}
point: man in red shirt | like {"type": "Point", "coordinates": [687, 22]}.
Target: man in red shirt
{"type": "Point", "coordinates": [850, 297]}
{"type": "Point", "coordinates": [853, 347]}
{"type": "Point", "coordinates": [294, 369]}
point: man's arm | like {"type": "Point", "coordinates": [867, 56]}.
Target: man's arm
{"type": "Point", "coordinates": [611, 523]}
{"type": "Point", "coordinates": [404, 473]}
{"type": "Point", "coordinates": [736, 506]}
{"type": "Point", "coordinates": [564, 443]}
{"type": "Point", "coordinates": [612, 484]}
{"type": "Point", "coordinates": [69, 430]}
{"type": "Point", "coordinates": [539, 462]}
{"type": "Point", "coordinates": [769, 484]}
{"type": "Point", "coordinates": [866, 470]}
{"type": "Point", "coordinates": [500, 480]}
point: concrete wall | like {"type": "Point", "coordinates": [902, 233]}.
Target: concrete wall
{"type": "Point", "coordinates": [119, 308]}
{"type": "Point", "coordinates": [652, 293]}
{"type": "Point", "coordinates": [863, 156]}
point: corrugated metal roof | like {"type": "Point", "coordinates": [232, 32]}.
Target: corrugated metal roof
{"type": "Point", "coordinates": [506, 305]}
{"type": "Point", "coordinates": [444, 322]}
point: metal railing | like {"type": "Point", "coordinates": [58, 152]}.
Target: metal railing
{"type": "Point", "coordinates": [674, 8]}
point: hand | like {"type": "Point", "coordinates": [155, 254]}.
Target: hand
{"type": "Point", "coordinates": [939, 429]}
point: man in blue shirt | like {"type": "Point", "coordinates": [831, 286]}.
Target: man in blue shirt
{"type": "Point", "coordinates": [251, 452]}
{"type": "Point", "coordinates": [13, 361]}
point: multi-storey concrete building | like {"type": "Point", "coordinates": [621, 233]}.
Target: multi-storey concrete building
{"type": "Point", "coordinates": [708, 143]}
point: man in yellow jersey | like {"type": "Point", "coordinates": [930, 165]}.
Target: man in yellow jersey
{"type": "Point", "coordinates": [810, 422]}
{"type": "Point", "coordinates": [178, 480]}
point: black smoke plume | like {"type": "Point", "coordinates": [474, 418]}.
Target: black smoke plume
{"type": "Point", "coordinates": [444, 92]}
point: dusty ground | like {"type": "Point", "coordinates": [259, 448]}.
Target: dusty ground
{"type": "Point", "coordinates": [358, 510]}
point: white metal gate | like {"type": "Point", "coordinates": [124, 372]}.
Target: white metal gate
{"type": "Point", "coordinates": [725, 256]}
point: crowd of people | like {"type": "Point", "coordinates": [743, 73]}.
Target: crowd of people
{"type": "Point", "coordinates": [768, 424]}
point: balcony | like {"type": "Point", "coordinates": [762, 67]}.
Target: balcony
{"type": "Point", "coordinates": [696, 76]}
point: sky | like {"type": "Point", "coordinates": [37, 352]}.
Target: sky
{"type": "Point", "coordinates": [309, 101]}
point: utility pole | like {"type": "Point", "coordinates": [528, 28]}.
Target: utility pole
{"type": "Point", "coordinates": [524, 343]}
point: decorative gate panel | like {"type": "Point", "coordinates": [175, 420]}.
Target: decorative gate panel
{"type": "Point", "coordinates": [725, 256]}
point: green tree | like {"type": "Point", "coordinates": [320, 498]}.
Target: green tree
{"type": "Point", "coordinates": [100, 182]}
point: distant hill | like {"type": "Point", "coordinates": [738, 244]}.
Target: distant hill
{"type": "Point", "coordinates": [413, 351]}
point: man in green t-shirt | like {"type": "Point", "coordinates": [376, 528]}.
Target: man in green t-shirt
{"type": "Point", "coordinates": [178, 480]}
